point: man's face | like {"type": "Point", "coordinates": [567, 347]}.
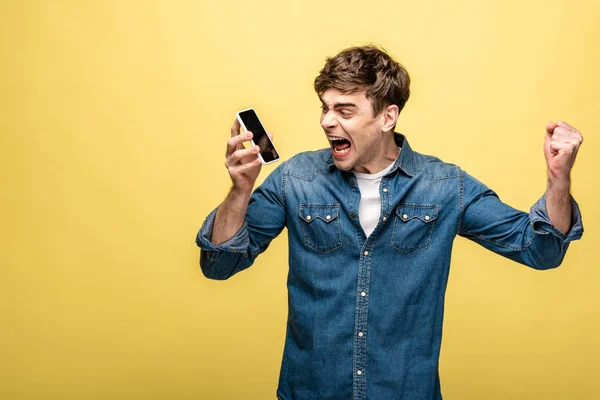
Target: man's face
{"type": "Point", "coordinates": [355, 135]}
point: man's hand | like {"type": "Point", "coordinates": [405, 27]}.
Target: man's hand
{"type": "Point", "coordinates": [243, 164]}
{"type": "Point", "coordinates": [560, 148]}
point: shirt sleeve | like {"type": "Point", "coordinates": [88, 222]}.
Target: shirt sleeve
{"type": "Point", "coordinates": [527, 238]}
{"type": "Point", "coordinates": [265, 219]}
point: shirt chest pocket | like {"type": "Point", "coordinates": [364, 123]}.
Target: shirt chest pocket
{"type": "Point", "coordinates": [321, 229]}
{"type": "Point", "coordinates": [413, 227]}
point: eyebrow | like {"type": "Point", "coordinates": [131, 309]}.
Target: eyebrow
{"type": "Point", "coordinates": [340, 105]}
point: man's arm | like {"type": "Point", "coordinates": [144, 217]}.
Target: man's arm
{"type": "Point", "coordinates": [560, 149]}
{"type": "Point", "coordinates": [243, 225]}
{"type": "Point", "coordinates": [538, 239]}
{"type": "Point", "coordinates": [243, 166]}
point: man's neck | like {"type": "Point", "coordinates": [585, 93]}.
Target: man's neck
{"type": "Point", "coordinates": [389, 154]}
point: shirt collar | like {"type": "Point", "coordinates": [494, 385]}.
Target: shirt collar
{"type": "Point", "coordinates": [406, 160]}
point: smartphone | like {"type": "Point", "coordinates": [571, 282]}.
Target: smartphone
{"type": "Point", "coordinates": [250, 122]}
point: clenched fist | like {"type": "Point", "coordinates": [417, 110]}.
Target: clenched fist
{"type": "Point", "coordinates": [560, 149]}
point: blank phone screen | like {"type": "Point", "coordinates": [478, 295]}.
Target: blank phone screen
{"type": "Point", "coordinates": [260, 137]}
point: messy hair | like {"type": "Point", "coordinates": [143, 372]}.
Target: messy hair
{"type": "Point", "coordinates": [368, 68]}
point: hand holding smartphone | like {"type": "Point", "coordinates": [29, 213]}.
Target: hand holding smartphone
{"type": "Point", "coordinates": [250, 122]}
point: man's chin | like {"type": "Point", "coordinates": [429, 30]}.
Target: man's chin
{"type": "Point", "coordinates": [343, 165]}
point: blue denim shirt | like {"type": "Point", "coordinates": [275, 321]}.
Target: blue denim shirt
{"type": "Point", "coordinates": [365, 314]}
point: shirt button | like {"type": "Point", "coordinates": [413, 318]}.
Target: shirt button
{"type": "Point", "coordinates": [385, 190]}
{"type": "Point", "coordinates": [366, 253]}
{"type": "Point", "coordinates": [360, 334]}
{"type": "Point", "coordinates": [404, 216]}
{"type": "Point", "coordinates": [384, 219]}
{"type": "Point", "coordinates": [359, 372]}
{"type": "Point", "coordinates": [363, 294]}
{"type": "Point", "coordinates": [427, 218]}
{"type": "Point", "coordinates": [353, 215]}
{"type": "Point", "coordinates": [308, 217]}
{"type": "Point", "coordinates": [329, 217]}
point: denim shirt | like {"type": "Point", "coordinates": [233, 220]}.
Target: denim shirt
{"type": "Point", "coordinates": [365, 314]}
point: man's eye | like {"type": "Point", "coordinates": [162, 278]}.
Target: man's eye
{"type": "Point", "coordinates": [324, 109]}
{"type": "Point", "coordinates": [345, 113]}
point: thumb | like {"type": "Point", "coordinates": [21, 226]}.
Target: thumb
{"type": "Point", "coordinates": [548, 146]}
{"type": "Point", "coordinates": [548, 152]}
{"type": "Point", "coordinates": [550, 126]}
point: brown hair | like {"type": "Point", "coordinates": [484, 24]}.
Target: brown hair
{"type": "Point", "coordinates": [366, 68]}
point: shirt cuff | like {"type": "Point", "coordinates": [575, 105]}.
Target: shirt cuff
{"type": "Point", "coordinates": [542, 224]}
{"type": "Point", "coordinates": [237, 244]}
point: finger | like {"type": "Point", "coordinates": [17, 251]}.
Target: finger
{"type": "Point", "coordinates": [237, 157]}
{"type": "Point", "coordinates": [236, 142]}
{"type": "Point", "coordinates": [235, 128]}
{"type": "Point", "coordinates": [240, 157]}
{"type": "Point", "coordinates": [565, 125]}
{"type": "Point", "coordinates": [244, 168]}
{"type": "Point", "coordinates": [568, 144]}
{"type": "Point", "coordinates": [250, 166]}
{"type": "Point", "coordinates": [561, 133]}
{"type": "Point", "coordinates": [270, 136]}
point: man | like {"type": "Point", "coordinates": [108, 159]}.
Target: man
{"type": "Point", "coordinates": [370, 228]}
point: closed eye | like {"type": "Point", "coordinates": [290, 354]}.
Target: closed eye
{"type": "Point", "coordinates": [344, 113]}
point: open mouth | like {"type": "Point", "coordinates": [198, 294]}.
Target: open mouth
{"type": "Point", "coordinates": [339, 146]}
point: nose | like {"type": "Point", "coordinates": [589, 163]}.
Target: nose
{"type": "Point", "coordinates": [328, 120]}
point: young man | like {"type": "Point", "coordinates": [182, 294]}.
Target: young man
{"type": "Point", "coordinates": [370, 228]}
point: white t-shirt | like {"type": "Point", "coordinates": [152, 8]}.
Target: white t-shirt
{"type": "Point", "coordinates": [369, 208]}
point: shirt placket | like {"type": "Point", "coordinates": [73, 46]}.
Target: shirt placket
{"type": "Point", "coordinates": [360, 317]}
{"type": "Point", "coordinates": [362, 295]}
{"type": "Point", "coordinates": [360, 330]}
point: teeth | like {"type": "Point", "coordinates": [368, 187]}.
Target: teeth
{"type": "Point", "coordinates": [333, 139]}
{"type": "Point", "coordinates": [341, 151]}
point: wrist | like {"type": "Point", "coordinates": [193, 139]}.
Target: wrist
{"type": "Point", "coordinates": [240, 192]}
{"type": "Point", "coordinates": [559, 185]}
{"type": "Point", "coordinates": [236, 201]}
{"type": "Point", "coordinates": [558, 174]}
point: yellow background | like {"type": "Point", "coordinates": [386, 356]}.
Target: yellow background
{"type": "Point", "coordinates": [114, 117]}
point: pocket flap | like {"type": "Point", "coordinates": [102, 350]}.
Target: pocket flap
{"type": "Point", "coordinates": [425, 213]}
{"type": "Point", "coordinates": [325, 212]}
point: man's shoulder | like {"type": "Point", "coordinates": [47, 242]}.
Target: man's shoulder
{"type": "Point", "coordinates": [433, 167]}
{"type": "Point", "coordinates": [308, 164]}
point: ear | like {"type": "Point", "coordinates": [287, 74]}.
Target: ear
{"type": "Point", "coordinates": [390, 117]}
